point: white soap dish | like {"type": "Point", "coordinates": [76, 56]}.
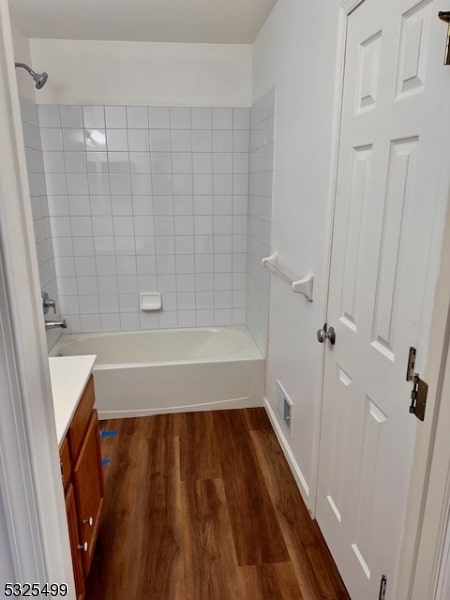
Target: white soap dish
{"type": "Point", "coordinates": [150, 301]}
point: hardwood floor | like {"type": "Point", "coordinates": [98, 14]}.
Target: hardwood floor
{"type": "Point", "coordinates": [203, 506]}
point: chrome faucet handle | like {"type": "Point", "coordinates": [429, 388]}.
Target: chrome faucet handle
{"type": "Point", "coordinates": [47, 303]}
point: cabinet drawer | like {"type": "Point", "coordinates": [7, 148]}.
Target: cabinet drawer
{"type": "Point", "coordinates": [88, 484]}
{"type": "Point", "coordinates": [66, 465]}
{"type": "Point", "coordinates": [81, 418]}
{"type": "Point", "coordinates": [75, 546]}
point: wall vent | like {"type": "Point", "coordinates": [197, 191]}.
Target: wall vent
{"type": "Point", "coordinates": [285, 406]}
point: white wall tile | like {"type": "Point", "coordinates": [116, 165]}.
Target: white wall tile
{"type": "Point", "coordinates": [137, 117]}
{"type": "Point", "coordinates": [182, 184]}
{"type": "Point", "coordinates": [162, 184]}
{"type": "Point", "coordinates": [54, 162]}
{"type": "Point", "coordinates": [160, 140]}
{"type": "Point", "coordinates": [144, 226]}
{"type": "Point", "coordinates": [95, 140]}
{"type": "Point", "coordinates": [73, 140]}
{"type": "Point", "coordinates": [129, 321]}
{"type": "Point", "coordinates": [116, 117]}
{"type": "Point", "coordinates": [185, 282]}
{"type": "Point", "coordinates": [142, 205]}
{"type": "Point", "coordinates": [75, 162]}
{"type": "Point", "coordinates": [98, 183]}
{"type": "Point", "coordinates": [110, 322]}
{"type": "Point", "coordinates": [159, 117]}
{"type": "Point", "coordinates": [222, 141]}
{"type": "Point", "coordinates": [201, 118]}
{"type": "Point", "coordinates": [97, 162]}
{"type": "Point", "coordinates": [145, 244]}
{"type": "Point", "coordinates": [107, 284]}
{"type": "Point", "coordinates": [163, 205]}
{"type": "Point", "coordinates": [186, 318]}
{"type": "Point", "coordinates": [94, 116]}
{"type": "Point", "coordinates": [48, 115]}
{"type": "Point", "coordinates": [118, 162]}
{"type": "Point", "coordinates": [123, 226]}
{"type": "Point", "coordinates": [117, 139]}
{"type": "Point", "coordinates": [181, 140]}
{"type": "Point", "coordinates": [202, 140]}
{"type": "Point", "coordinates": [241, 118]}
{"type": "Point", "coordinates": [168, 319]}
{"type": "Point", "coordinates": [77, 183]}
{"type": "Point", "coordinates": [181, 162]}
{"type": "Point", "coordinates": [51, 139]}
{"type": "Point", "coordinates": [138, 140]}
{"type": "Point", "coordinates": [180, 118]}
{"type": "Point", "coordinates": [83, 246]}
{"type": "Point", "coordinates": [139, 162]}
{"type": "Point", "coordinates": [202, 184]}
{"type": "Point", "coordinates": [121, 183]}
{"type": "Point", "coordinates": [222, 118]}
{"type": "Point", "coordinates": [71, 116]}
{"type": "Point", "coordinates": [165, 264]}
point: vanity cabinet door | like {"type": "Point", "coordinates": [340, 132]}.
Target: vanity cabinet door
{"type": "Point", "coordinates": [72, 520]}
{"type": "Point", "coordinates": [88, 483]}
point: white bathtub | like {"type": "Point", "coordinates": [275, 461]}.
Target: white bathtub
{"type": "Point", "coordinates": [151, 372]}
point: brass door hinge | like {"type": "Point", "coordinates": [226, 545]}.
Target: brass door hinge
{"type": "Point", "coordinates": [419, 397]}
{"type": "Point", "coordinates": [445, 16]}
{"type": "Point", "coordinates": [420, 388]}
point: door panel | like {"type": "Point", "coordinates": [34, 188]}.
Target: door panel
{"type": "Point", "coordinates": [388, 209]}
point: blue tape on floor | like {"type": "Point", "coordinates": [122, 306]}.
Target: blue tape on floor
{"type": "Point", "coordinates": [105, 461]}
{"type": "Point", "coordinates": [110, 433]}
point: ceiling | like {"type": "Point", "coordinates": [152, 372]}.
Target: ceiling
{"type": "Point", "coordinates": [195, 21]}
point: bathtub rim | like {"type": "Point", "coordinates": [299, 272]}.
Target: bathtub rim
{"type": "Point", "coordinates": [74, 337]}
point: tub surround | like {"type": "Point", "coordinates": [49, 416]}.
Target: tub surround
{"type": "Point", "coordinates": [155, 372]}
{"type": "Point", "coordinates": [148, 198]}
{"type": "Point", "coordinates": [39, 204]}
{"type": "Point", "coordinates": [69, 376]}
{"type": "Point", "coordinates": [262, 118]}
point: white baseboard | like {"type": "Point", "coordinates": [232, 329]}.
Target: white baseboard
{"type": "Point", "coordinates": [293, 464]}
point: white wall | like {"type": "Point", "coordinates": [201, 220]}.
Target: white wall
{"type": "Point", "coordinates": [295, 52]}
{"type": "Point", "coordinates": [22, 54]}
{"type": "Point", "coordinates": [141, 73]}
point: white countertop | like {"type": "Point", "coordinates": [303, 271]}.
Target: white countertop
{"type": "Point", "coordinates": [69, 375]}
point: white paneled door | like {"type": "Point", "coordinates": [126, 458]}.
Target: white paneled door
{"type": "Point", "coordinates": [388, 211]}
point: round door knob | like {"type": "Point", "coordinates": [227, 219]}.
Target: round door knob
{"type": "Point", "coordinates": [83, 546]}
{"type": "Point", "coordinates": [326, 333]}
{"type": "Point", "coordinates": [321, 335]}
{"type": "Point", "coordinates": [89, 521]}
{"type": "Point", "coordinates": [331, 335]}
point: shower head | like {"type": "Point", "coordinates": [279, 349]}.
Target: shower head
{"type": "Point", "coordinates": [39, 78]}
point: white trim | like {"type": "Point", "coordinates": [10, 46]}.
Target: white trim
{"type": "Point", "coordinates": [328, 241]}
{"type": "Point", "coordinates": [430, 487]}
{"type": "Point", "coordinates": [443, 585]}
{"type": "Point", "coordinates": [293, 464]}
{"type": "Point", "coordinates": [349, 6]}
{"type": "Point", "coordinates": [34, 464]}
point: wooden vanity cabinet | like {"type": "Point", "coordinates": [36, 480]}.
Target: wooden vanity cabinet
{"type": "Point", "coordinates": [83, 484]}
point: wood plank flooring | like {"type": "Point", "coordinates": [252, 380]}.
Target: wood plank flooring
{"type": "Point", "coordinates": [203, 506]}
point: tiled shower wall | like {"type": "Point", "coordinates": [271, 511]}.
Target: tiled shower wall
{"type": "Point", "coordinates": [260, 217]}
{"type": "Point", "coordinates": [39, 205]}
{"type": "Point", "coordinates": [147, 199]}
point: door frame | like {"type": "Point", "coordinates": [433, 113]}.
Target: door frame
{"type": "Point", "coordinates": [429, 497]}
{"type": "Point", "coordinates": [30, 479]}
